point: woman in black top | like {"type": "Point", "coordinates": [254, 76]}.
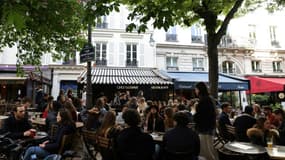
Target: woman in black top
{"type": "Point", "coordinates": [205, 119]}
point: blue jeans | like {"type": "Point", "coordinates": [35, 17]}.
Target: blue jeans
{"type": "Point", "coordinates": [40, 152]}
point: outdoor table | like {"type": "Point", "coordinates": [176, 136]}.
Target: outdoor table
{"type": "Point", "coordinates": [42, 121]}
{"type": "Point", "coordinates": [157, 136]}
{"type": "Point", "coordinates": [245, 148]}
{"type": "Point", "coordinates": [38, 138]}
{"type": "Point", "coordinates": [277, 152]}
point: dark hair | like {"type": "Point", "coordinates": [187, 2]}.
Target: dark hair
{"type": "Point", "coordinates": [15, 107]}
{"type": "Point", "coordinates": [279, 111]}
{"type": "Point", "coordinates": [131, 117]}
{"type": "Point", "coordinates": [108, 121]}
{"type": "Point", "coordinates": [26, 99]}
{"type": "Point", "coordinates": [181, 119]}
{"type": "Point", "coordinates": [248, 110]}
{"type": "Point", "coordinates": [181, 107]}
{"type": "Point", "coordinates": [224, 105]}
{"type": "Point", "coordinates": [66, 118]}
{"type": "Point", "coordinates": [203, 89]}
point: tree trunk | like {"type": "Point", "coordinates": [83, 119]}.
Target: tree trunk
{"type": "Point", "coordinates": [213, 65]}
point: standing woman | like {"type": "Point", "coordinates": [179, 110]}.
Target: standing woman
{"type": "Point", "coordinates": [66, 126]}
{"type": "Point", "coordinates": [205, 119]}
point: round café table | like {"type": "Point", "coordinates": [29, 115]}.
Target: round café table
{"type": "Point", "coordinates": [245, 148]}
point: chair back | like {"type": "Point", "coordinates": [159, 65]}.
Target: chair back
{"type": "Point", "coordinates": [66, 143]}
{"type": "Point", "coordinates": [90, 142]}
{"type": "Point", "coordinates": [104, 142]}
{"type": "Point", "coordinates": [231, 129]}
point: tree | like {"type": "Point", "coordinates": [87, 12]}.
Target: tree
{"type": "Point", "coordinates": [40, 27]}
{"type": "Point", "coordinates": [215, 15]}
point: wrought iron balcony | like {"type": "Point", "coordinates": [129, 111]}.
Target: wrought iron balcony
{"type": "Point", "coordinates": [131, 63]}
{"type": "Point", "coordinates": [102, 62]}
{"type": "Point", "coordinates": [171, 37]}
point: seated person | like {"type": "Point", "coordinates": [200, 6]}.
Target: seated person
{"type": "Point", "coordinates": [154, 121]}
{"type": "Point", "coordinates": [66, 127]}
{"type": "Point", "coordinates": [225, 120]}
{"type": "Point", "coordinates": [181, 142]}
{"type": "Point", "coordinates": [108, 129]}
{"type": "Point", "coordinates": [132, 143]}
{"type": "Point", "coordinates": [17, 123]}
{"type": "Point", "coordinates": [261, 132]}
{"type": "Point", "coordinates": [244, 122]}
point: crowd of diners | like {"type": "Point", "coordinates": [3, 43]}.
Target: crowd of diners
{"type": "Point", "coordinates": [129, 122]}
{"type": "Point", "coordinates": [256, 125]}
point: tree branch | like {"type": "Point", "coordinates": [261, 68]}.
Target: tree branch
{"type": "Point", "coordinates": [226, 21]}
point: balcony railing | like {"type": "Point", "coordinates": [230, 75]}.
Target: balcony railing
{"type": "Point", "coordinates": [229, 71]}
{"type": "Point", "coordinates": [275, 43]}
{"type": "Point", "coordinates": [102, 62]}
{"type": "Point", "coordinates": [278, 70]}
{"type": "Point", "coordinates": [257, 70]}
{"type": "Point", "coordinates": [196, 39]}
{"type": "Point", "coordinates": [171, 37]}
{"type": "Point", "coordinates": [172, 68]}
{"type": "Point", "coordinates": [103, 25]}
{"type": "Point", "coordinates": [198, 68]}
{"type": "Point", "coordinates": [131, 63]}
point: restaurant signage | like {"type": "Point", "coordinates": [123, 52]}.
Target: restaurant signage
{"type": "Point", "coordinates": [159, 87]}
{"type": "Point", "coordinates": [127, 87]}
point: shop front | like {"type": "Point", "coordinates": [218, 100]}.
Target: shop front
{"type": "Point", "coordinates": [108, 81]}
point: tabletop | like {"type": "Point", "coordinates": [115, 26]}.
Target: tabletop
{"type": "Point", "coordinates": [277, 152]}
{"type": "Point", "coordinates": [244, 147]}
{"type": "Point", "coordinates": [157, 136]}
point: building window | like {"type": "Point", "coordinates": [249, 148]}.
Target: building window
{"type": "Point", "coordinates": [131, 55]}
{"type": "Point", "coordinates": [226, 41]}
{"type": "Point", "coordinates": [171, 63]}
{"type": "Point", "coordinates": [274, 41]}
{"type": "Point", "coordinates": [171, 35]}
{"type": "Point", "coordinates": [252, 33]}
{"type": "Point", "coordinates": [198, 64]}
{"type": "Point", "coordinates": [102, 22]}
{"type": "Point", "coordinates": [228, 67]}
{"type": "Point", "coordinates": [277, 66]}
{"type": "Point", "coordinates": [196, 34]}
{"type": "Point", "coordinates": [100, 54]}
{"type": "Point", "coordinates": [255, 66]}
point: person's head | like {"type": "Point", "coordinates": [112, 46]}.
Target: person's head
{"type": "Point", "coordinates": [248, 110]}
{"type": "Point", "coordinates": [109, 120]}
{"type": "Point", "coordinates": [181, 107]}
{"type": "Point", "coordinates": [168, 112]}
{"type": "Point", "coordinates": [267, 110]}
{"type": "Point", "coordinates": [201, 89]}
{"type": "Point", "coordinates": [50, 99]}
{"type": "Point", "coordinates": [279, 114]}
{"type": "Point", "coordinates": [64, 116]}
{"type": "Point", "coordinates": [263, 123]}
{"type": "Point", "coordinates": [19, 111]}
{"type": "Point", "coordinates": [181, 119]}
{"type": "Point", "coordinates": [256, 108]}
{"type": "Point", "coordinates": [153, 109]}
{"type": "Point", "coordinates": [226, 107]}
{"type": "Point", "coordinates": [99, 103]}
{"type": "Point", "coordinates": [26, 101]}
{"type": "Point", "coordinates": [131, 117]}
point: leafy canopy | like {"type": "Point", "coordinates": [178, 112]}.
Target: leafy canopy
{"type": "Point", "coordinates": [39, 27]}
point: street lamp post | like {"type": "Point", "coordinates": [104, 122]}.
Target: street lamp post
{"type": "Point", "coordinates": [89, 83]}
